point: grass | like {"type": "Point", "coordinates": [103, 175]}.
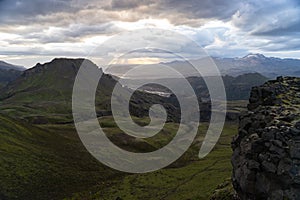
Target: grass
{"type": "Point", "coordinates": [188, 178]}
{"type": "Point", "coordinates": [44, 162]}
{"type": "Point", "coordinates": [48, 161]}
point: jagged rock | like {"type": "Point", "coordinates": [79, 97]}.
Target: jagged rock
{"type": "Point", "coordinates": [295, 131]}
{"type": "Point", "coordinates": [268, 167]}
{"type": "Point", "coordinates": [297, 125]}
{"type": "Point", "coordinates": [252, 164]}
{"type": "Point", "coordinates": [295, 152]}
{"type": "Point", "coordinates": [266, 151]}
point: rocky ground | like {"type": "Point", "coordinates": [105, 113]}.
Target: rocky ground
{"type": "Point", "coordinates": [266, 151]}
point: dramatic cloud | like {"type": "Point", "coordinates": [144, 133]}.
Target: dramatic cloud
{"type": "Point", "coordinates": [266, 17]}
{"type": "Point", "coordinates": [39, 28]}
{"type": "Point", "coordinates": [13, 11]}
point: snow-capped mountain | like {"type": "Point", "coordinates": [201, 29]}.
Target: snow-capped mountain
{"type": "Point", "coordinates": [268, 66]}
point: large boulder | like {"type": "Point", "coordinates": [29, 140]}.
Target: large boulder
{"type": "Point", "coordinates": [266, 151]}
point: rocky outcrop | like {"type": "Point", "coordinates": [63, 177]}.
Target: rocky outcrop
{"type": "Point", "coordinates": [266, 151]}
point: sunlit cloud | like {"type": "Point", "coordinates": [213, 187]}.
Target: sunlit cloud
{"type": "Point", "coordinates": [40, 30]}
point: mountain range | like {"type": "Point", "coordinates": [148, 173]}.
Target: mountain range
{"type": "Point", "coordinates": [237, 88]}
{"type": "Point", "coordinates": [43, 94]}
{"type": "Point", "coordinates": [270, 67]}
{"type": "Point", "coordinates": [41, 156]}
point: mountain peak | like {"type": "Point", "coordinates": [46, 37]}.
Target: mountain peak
{"type": "Point", "coordinates": [255, 55]}
{"type": "Point", "coordinates": [62, 64]}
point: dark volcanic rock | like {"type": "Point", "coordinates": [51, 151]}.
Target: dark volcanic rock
{"type": "Point", "coordinates": [266, 152]}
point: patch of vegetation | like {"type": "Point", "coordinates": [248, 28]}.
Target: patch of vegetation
{"type": "Point", "coordinates": [224, 191]}
{"type": "Point", "coordinates": [188, 178]}
{"type": "Point", "coordinates": [48, 161]}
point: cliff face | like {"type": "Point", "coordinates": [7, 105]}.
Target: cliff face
{"type": "Point", "coordinates": [266, 151]}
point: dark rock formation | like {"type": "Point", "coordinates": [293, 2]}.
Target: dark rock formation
{"type": "Point", "coordinates": [266, 151]}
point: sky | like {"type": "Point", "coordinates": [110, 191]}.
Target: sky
{"type": "Point", "coordinates": [34, 31]}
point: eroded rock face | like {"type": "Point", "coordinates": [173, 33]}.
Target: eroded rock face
{"type": "Point", "coordinates": [266, 152]}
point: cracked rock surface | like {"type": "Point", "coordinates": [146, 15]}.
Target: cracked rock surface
{"type": "Point", "coordinates": [266, 151]}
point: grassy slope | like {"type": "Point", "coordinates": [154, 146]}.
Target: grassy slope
{"type": "Point", "coordinates": [49, 162]}
{"type": "Point", "coordinates": [44, 162]}
{"type": "Point", "coordinates": [44, 91]}
{"type": "Point", "coordinates": [188, 178]}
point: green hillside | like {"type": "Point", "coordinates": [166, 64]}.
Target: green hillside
{"type": "Point", "coordinates": [42, 157]}
{"type": "Point", "coordinates": [44, 162]}
{"type": "Point", "coordinates": [49, 162]}
{"type": "Point", "coordinates": [7, 76]}
{"type": "Point", "coordinates": [43, 94]}
{"type": "Point", "coordinates": [187, 178]}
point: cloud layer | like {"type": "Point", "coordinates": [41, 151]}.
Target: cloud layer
{"type": "Point", "coordinates": [44, 29]}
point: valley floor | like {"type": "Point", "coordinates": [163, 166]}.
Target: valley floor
{"type": "Point", "coordinates": [49, 162]}
{"type": "Point", "coordinates": [187, 178]}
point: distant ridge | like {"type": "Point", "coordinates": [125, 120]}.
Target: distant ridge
{"type": "Point", "coordinates": [7, 66]}
{"type": "Point", "coordinates": [9, 72]}
{"type": "Point", "coordinates": [270, 67]}
{"type": "Point", "coordinates": [255, 55]}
